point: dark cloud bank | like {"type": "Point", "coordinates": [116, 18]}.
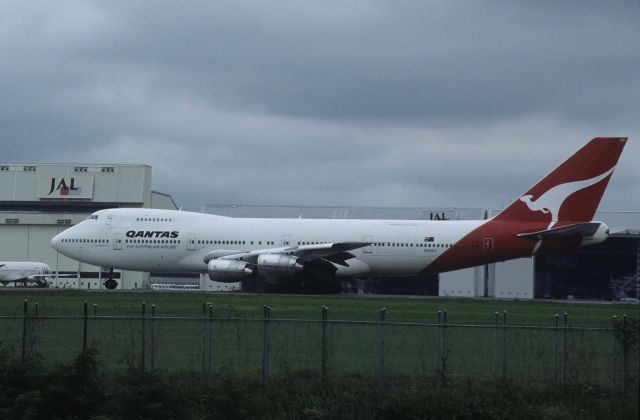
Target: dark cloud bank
{"type": "Point", "coordinates": [327, 103]}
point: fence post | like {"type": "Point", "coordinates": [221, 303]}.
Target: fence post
{"type": "Point", "coordinates": [85, 320]}
{"type": "Point", "coordinates": [625, 354]}
{"type": "Point", "coordinates": [203, 356]}
{"type": "Point", "coordinates": [555, 349]}
{"type": "Point", "coordinates": [152, 355]}
{"type": "Point", "coordinates": [325, 330]}
{"type": "Point", "coordinates": [638, 332]}
{"type": "Point", "coordinates": [143, 318]}
{"type": "Point", "coordinates": [504, 345]}
{"type": "Point", "coordinates": [265, 344]}
{"type": "Point", "coordinates": [210, 367]}
{"type": "Point", "coordinates": [383, 313]}
{"type": "Point", "coordinates": [495, 348]}
{"type": "Point", "coordinates": [25, 317]}
{"type": "Point", "coordinates": [613, 355]}
{"type": "Point", "coordinates": [438, 349]}
{"type": "Point", "coordinates": [443, 353]}
{"type": "Point", "coordinates": [95, 322]}
{"type": "Point", "coordinates": [564, 349]}
{"type": "Point", "coordinates": [34, 335]}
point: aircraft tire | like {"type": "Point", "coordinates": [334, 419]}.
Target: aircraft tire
{"type": "Point", "coordinates": [110, 284]}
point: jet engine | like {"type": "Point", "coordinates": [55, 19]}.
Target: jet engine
{"type": "Point", "coordinates": [228, 271]}
{"type": "Point", "coordinates": [278, 265]}
{"type": "Point", "coordinates": [44, 282]}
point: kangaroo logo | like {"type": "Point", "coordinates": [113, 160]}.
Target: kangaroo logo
{"type": "Point", "coordinates": [552, 200]}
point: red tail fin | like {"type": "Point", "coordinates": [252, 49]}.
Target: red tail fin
{"type": "Point", "coordinates": [573, 190]}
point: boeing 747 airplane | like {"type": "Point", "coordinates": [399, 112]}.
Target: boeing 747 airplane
{"type": "Point", "coordinates": [554, 214]}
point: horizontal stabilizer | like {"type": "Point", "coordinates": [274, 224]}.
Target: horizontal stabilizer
{"type": "Point", "coordinates": [579, 229]}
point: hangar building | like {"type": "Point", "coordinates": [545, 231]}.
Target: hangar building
{"type": "Point", "coordinates": [37, 201]}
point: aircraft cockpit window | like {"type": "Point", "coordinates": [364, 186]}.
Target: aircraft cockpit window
{"type": "Point", "coordinates": [93, 217]}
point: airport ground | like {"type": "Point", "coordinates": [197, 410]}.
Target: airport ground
{"type": "Point", "coordinates": [352, 308]}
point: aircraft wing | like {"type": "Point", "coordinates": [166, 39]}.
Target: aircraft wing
{"type": "Point", "coordinates": [38, 276]}
{"type": "Point", "coordinates": [48, 276]}
{"type": "Point", "coordinates": [306, 252]}
{"type": "Point", "coordinates": [335, 253]}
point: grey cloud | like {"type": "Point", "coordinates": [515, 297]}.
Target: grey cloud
{"type": "Point", "coordinates": [373, 103]}
{"type": "Point", "coordinates": [427, 63]}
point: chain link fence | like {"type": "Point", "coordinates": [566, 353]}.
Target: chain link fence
{"type": "Point", "coordinates": [383, 353]}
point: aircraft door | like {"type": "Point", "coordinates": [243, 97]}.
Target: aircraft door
{"type": "Point", "coordinates": [117, 241]}
{"type": "Point", "coordinates": [367, 249]}
{"type": "Point", "coordinates": [191, 242]}
{"type": "Point", "coordinates": [487, 246]}
{"type": "Point", "coordinates": [286, 240]}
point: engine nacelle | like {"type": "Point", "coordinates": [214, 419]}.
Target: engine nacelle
{"type": "Point", "coordinates": [228, 271]}
{"type": "Point", "coordinates": [44, 282]}
{"type": "Point", "coordinates": [278, 265]}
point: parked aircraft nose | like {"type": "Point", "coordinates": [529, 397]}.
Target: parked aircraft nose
{"type": "Point", "coordinates": [56, 242]}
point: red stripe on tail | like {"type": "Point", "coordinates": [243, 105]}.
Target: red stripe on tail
{"type": "Point", "coordinates": [574, 189]}
{"type": "Point", "coordinates": [569, 194]}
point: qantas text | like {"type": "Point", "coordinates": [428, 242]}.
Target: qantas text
{"type": "Point", "coordinates": [152, 234]}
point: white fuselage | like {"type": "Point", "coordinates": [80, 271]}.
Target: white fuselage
{"type": "Point", "coordinates": [167, 240]}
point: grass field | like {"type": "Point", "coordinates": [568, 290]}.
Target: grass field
{"type": "Point", "coordinates": [399, 309]}
{"type": "Point", "coordinates": [526, 356]}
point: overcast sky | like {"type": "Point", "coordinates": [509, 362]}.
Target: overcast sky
{"type": "Point", "coordinates": [371, 103]}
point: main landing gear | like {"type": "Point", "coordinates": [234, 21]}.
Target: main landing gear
{"type": "Point", "coordinates": [110, 283]}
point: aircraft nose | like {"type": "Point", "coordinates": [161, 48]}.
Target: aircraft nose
{"type": "Point", "coordinates": [56, 241]}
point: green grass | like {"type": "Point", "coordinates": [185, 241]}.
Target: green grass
{"type": "Point", "coordinates": [476, 354]}
{"type": "Point", "coordinates": [399, 309]}
{"type": "Point", "coordinates": [82, 388]}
